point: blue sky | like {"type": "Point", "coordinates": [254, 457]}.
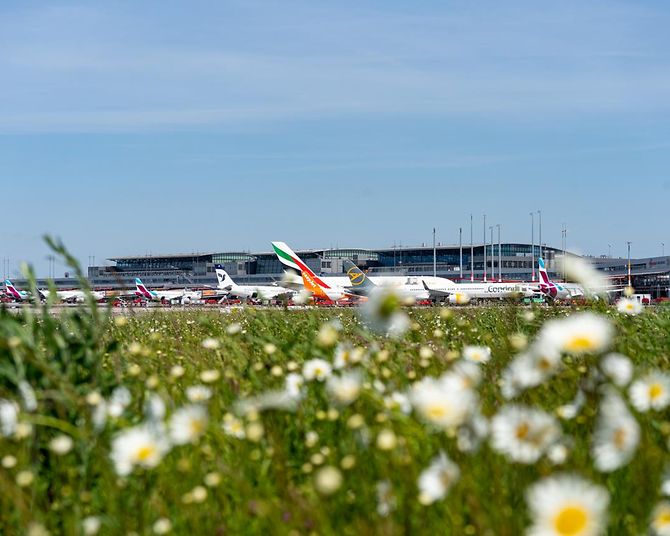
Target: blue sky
{"type": "Point", "coordinates": [135, 127]}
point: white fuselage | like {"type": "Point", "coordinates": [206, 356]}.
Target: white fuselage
{"type": "Point", "coordinates": [261, 292]}
{"type": "Point", "coordinates": [76, 296]}
{"type": "Point", "coordinates": [413, 286]}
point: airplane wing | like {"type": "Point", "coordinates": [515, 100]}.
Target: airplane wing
{"type": "Point", "coordinates": [436, 293]}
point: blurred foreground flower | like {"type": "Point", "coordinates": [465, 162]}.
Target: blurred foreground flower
{"type": "Point", "coordinates": [523, 434]}
{"type": "Point", "coordinates": [651, 392]}
{"type": "Point", "coordinates": [316, 369]}
{"type": "Point", "coordinates": [382, 313]}
{"type": "Point", "coordinates": [581, 271]}
{"type": "Point", "coordinates": [436, 480]}
{"type": "Point", "coordinates": [629, 306]}
{"type": "Point", "coordinates": [187, 424]}
{"type": "Point", "coordinates": [142, 446]}
{"type": "Point", "coordinates": [617, 434]}
{"type": "Point", "coordinates": [344, 389]}
{"type": "Point", "coordinates": [577, 334]}
{"type": "Point", "coordinates": [443, 402]}
{"type": "Point", "coordinates": [328, 480]}
{"type": "Point", "coordinates": [618, 368]}
{"type": "Point", "coordinates": [567, 505]}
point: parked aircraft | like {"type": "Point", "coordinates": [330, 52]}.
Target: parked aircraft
{"type": "Point", "coordinates": [183, 296]}
{"type": "Point", "coordinates": [261, 292]}
{"type": "Point", "coordinates": [315, 285]}
{"type": "Point", "coordinates": [14, 293]}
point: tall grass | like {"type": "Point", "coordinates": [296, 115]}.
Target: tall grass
{"type": "Point", "coordinates": [268, 482]}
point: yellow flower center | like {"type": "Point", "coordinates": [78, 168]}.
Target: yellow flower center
{"type": "Point", "coordinates": [619, 438]}
{"type": "Point", "coordinates": [655, 390]}
{"type": "Point", "coordinates": [146, 452]}
{"type": "Point", "coordinates": [522, 430]}
{"type": "Point", "coordinates": [436, 411]}
{"type": "Point", "coordinates": [197, 426]}
{"type": "Point", "coordinates": [543, 364]}
{"type": "Point", "coordinates": [580, 343]}
{"type": "Point", "coordinates": [571, 520]}
{"type": "Point", "coordinates": [663, 518]}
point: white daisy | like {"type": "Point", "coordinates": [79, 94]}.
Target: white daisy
{"type": "Point", "coordinates": [382, 312]}
{"type": "Point", "coordinates": [436, 480]}
{"type": "Point", "coordinates": [142, 446]}
{"type": "Point", "coordinates": [577, 334]}
{"type": "Point", "coordinates": [118, 401]}
{"type": "Point", "coordinates": [198, 393]}
{"type": "Point", "coordinates": [344, 389]}
{"type": "Point", "coordinates": [293, 383]}
{"type": "Point", "coordinates": [211, 343]}
{"type": "Point", "coordinates": [61, 444]}
{"type": "Point", "coordinates": [187, 424]}
{"type": "Point", "coordinates": [629, 306]}
{"type": "Point", "coordinates": [316, 369]}
{"type": "Point", "coordinates": [346, 355]}
{"type": "Point", "coordinates": [477, 354]}
{"type": "Point", "coordinates": [398, 401]}
{"type": "Point", "coordinates": [660, 519]}
{"type": "Point", "coordinates": [467, 372]}
{"type": "Point", "coordinates": [9, 417]}
{"type": "Point", "coordinates": [523, 434]}
{"type": "Point", "coordinates": [154, 408]}
{"type": "Point", "coordinates": [616, 436]}
{"type": "Point", "coordinates": [618, 368]}
{"type": "Point", "coordinates": [650, 392]}
{"type": "Point", "coordinates": [566, 505]}
{"type": "Point", "coordinates": [442, 402]}
{"type": "Point", "coordinates": [530, 369]}
{"type": "Point", "coordinates": [583, 272]}
{"type": "Point", "coordinates": [233, 426]}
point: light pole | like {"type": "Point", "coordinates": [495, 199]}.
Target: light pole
{"type": "Point", "coordinates": [609, 250]}
{"type": "Point", "coordinates": [484, 242]}
{"type": "Point", "coordinates": [493, 268]}
{"type": "Point", "coordinates": [532, 243]}
{"type": "Point", "coordinates": [662, 249]}
{"type": "Point", "coordinates": [434, 255]}
{"type": "Point", "coordinates": [460, 252]}
{"type": "Point", "coordinates": [499, 255]}
{"type": "Point", "coordinates": [564, 240]}
{"type": "Point", "coordinates": [539, 213]}
{"type": "Point", "coordinates": [629, 277]}
{"type": "Point", "coordinates": [472, 253]}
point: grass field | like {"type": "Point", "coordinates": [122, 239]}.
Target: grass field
{"type": "Point", "coordinates": [308, 422]}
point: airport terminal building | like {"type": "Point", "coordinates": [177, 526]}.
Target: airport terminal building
{"type": "Point", "coordinates": [509, 262]}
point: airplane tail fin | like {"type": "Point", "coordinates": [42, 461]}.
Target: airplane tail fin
{"type": "Point", "coordinates": [141, 289]}
{"type": "Point", "coordinates": [224, 280]}
{"type": "Point", "coordinates": [544, 277]}
{"type": "Point", "coordinates": [357, 277]}
{"type": "Point", "coordinates": [11, 289]}
{"type": "Point", "coordinates": [287, 257]}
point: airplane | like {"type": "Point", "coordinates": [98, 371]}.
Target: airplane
{"type": "Point", "coordinates": [14, 293]}
{"type": "Point", "coordinates": [362, 285]}
{"type": "Point", "coordinates": [68, 296]}
{"type": "Point", "coordinates": [552, 290]}
{"type": "Point", "coordinates": [566, 291]}
{"type": "Point", "coordinates": [318, 287]}
{"type": "Point", "coordinates": [183, 296]}
{"type": "Point", "coordinates": [261, 292]}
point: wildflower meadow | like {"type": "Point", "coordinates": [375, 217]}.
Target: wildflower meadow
{"type": "Point", "coordinates": [382, 419]}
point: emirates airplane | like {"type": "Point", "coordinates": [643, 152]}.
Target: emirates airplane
{"type": "Point", "coordinates": [318, 287]}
